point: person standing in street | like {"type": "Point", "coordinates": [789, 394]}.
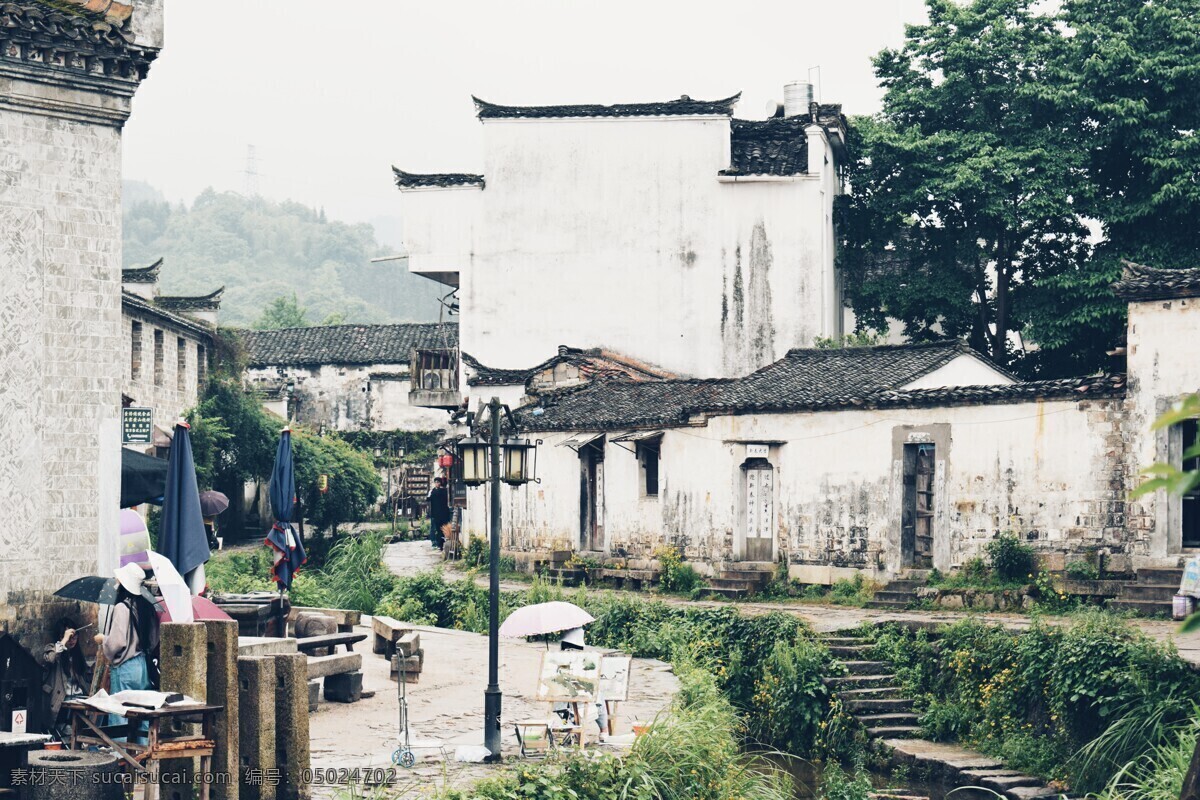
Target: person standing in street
{"type": "Point", "coordinates": [131, 640]}
{"type": "Point", "coordinates": [439, 512]}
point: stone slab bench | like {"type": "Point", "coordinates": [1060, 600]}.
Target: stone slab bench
{"type": "Point", "coordinates": [387, 632]}
{"type": "Point", "coordinates": [336, 664]}
{"type": "Point", "coordinates": [265, 646]}
{"type": "Point", "coordinates": [331, 640]}
{"type": "Point", "coordinates": [345, 618]}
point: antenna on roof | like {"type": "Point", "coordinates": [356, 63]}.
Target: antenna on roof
{"type": "Point", "coordinates": [818, 82]}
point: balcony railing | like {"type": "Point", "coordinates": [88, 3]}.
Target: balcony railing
{"type": "Point", "coordinates": [434, 379]}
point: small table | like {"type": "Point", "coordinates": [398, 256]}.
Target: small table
{"type": "Point", "coordinates": [309, 644]}
{"type": "Point", "coordinates": [146, 758]}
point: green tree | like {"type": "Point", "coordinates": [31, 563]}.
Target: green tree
{"type": "Point", "coordinates": [282, 312]}
{"type": "Point", "coordinates": [353, 484]}
{"type": "Point", "coordinates": [964, 185]}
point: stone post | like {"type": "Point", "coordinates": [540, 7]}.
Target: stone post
{"type": "Point", "coordinates": [223, 691]}
{"type": "Point", "coordinates": [183, 668]}
{"type": "Point", "coordinates": [291, 725]}
{"type": "Point", "coordinates": [256, 727]}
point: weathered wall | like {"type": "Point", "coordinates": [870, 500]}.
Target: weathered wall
{"type": "Point", "coordinates": [1162, 334]}
{"type": "Point", "coordinates": [170, 395]}
{"type": "Point", "coordinates": [60, 312]}
{"type": "Point", "coordinates": [347, 398]}
{"type": "Point", "coordinates": [583, 216]}
{"type": "Point", "coordinates": [1053, 472]}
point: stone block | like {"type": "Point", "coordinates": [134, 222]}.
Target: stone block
{"type": "Point", "coordinates": [409, 644]}
{"type": "Point", "coordinates": [292, 751]}
{"type": "Point", "coordinates": [387, 632]}
{"type": "Point", "coordinates": [222, 686]}
{"type": "Point", "coordinates": [256, 725]}
{"type": "Point", "coordinates": [183, 667]}
{"type": "Point", "coordinates": [322, 666]}
{"type": "Point", "coordinates": [73, 775]}
{"type": "Point", "coordinates": [314, 695]}
{"type": "Point", "coordinates": [313, 624]}
{"type": "Point", "coordinates": [345, 687]}
{"type": "Point", "coordinates": [409, 664]}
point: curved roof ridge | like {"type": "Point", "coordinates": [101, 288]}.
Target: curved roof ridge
{"type": "Point", "coordinates": [683, 106]}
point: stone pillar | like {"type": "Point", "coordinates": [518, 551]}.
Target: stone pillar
{"type": "Point", "coordinates": [291, 725]}
{"type": "Point", "coordinates": [183, 668]}
{"type": "Point", "coordinates": [256, 727]}
{"type": "Point", "coordinates": [223, 691]}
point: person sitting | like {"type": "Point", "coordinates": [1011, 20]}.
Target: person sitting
{"type": "Point", "coordinates": [68, 675]}
{"type": "Point", "coordinates": [131, 640]}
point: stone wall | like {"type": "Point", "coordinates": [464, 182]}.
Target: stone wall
{"type": "Point", "coordinates": [174, 393]}
{"type": "Point", "coordinates": [60, 311]}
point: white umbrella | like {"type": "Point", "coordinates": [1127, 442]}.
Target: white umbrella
{"type": "Point", "coordinates": [174, 589]}
{"type": "Point", "coordinates": [545, 618]}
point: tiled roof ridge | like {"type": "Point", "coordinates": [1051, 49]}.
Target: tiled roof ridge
{"type": "Point", "coordinates": [1139, 282]}
{"type": "Point", "coordinates": [346, 344]}
{"type": "Point", "coordinates": [683, 106]}
{"type": "Point", "coordinates": [140, 303]}
{"type": "Point", "coordinates": [147, 274]}
{"type": "Point", "coordinates": [198, 302]}
{"type": "Point", "coordinates": [414, 180]}
{"type": "Point", "coordinates": [80, 41]}
{"type": "Point", "coordinates": [505, 376]}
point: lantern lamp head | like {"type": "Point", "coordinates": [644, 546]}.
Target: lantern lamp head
{"type": "Point", "coordinates": [518, 461]}
{"type": "Point", "coordinates": [473, 453]}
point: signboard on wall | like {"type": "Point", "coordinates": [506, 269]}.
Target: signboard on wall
{"type": "Point", "coordinates": [137, 425]}
{"type": "Point", "coordinates": [758, 450]}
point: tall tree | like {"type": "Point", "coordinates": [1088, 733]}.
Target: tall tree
{"type": "Point", "coordinates": [964, 186]}
{"type": "Point", "coordinates": [282, 312]}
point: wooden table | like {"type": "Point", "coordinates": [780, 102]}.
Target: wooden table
{"type": "Point", "coordinates": [331, 640]}
{"type": "Point", "coordinates": [161, 744]}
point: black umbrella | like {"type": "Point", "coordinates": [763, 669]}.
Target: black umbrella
{"type": "Point", "coordinates": [91, 589]}
{"type": "Point", "coordinates": [213, 503]}
{"type": "Point", "coordinates": [143, 478]}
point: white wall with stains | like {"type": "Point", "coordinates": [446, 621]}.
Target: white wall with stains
{"type": "Point", "coordinates": [619, 233]}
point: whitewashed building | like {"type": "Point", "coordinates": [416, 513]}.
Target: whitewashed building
{"type": "Point", "coordinates": [349, 377]}
{"type": "Point", "coordinates": [669, 232]}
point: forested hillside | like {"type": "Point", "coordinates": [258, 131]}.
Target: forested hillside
{"type": "Point", "coordinates": [261, 250]}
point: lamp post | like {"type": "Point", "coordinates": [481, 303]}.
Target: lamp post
{"type": "Point", "coordinates": [481, 463]}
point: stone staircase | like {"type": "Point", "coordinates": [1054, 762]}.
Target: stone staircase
{"type": "Point", "coordinates": [870, 693]}
{"type": "Point", "coordinates": [740, 579]}
{"type": "Point", "coordinates": [1150, 594]}
{"type": "Point", "coordinates": [897, 595]}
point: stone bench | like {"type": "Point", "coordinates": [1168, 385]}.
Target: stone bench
{"type": "Point", "coordinates": [342, 673]}
{"type": "Point", "coordinates": [346, 619]}
{"type": "Point", "coordinates": [387, 632]}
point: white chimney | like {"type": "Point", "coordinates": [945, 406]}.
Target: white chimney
{"type": "Point", "coordinates": [797, 96]}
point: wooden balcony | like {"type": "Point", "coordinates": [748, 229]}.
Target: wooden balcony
{"type": "Point", "coordinates": [435, 379]}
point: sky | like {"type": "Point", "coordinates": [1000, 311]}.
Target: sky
{"type": "Point", "coordinates": [331, 93]}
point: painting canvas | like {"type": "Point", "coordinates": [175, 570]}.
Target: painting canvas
{"type": "Point", "coordinates": [614, 677]}
{"type": "Point", "coordinates": [568, 676]}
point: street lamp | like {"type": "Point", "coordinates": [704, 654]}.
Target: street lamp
{"type": "Point", "coordinates": [481, 463]}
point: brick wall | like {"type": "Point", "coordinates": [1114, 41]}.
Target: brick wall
{"type": "Point", "coordinates": [173, 386]}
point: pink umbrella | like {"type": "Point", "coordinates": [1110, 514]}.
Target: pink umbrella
{"type": "Point", "coordinates": [202, 608]}
{"type": "Point", "coordinates": [544, 618]}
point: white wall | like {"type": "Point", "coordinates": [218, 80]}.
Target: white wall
{"type": "Point", "coordinates": [1163, 335]}
{"type": "Point", "coordinates": [619, 233]}
{"type": "Point", "coordinates": [965, 370]}
{"type": "Point", "coordinates": [1041, 469]}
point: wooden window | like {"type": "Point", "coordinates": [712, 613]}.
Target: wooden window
{"type": "Point", "coordinates": [158, 358]}
{"type": "Point", "coordinates": [648, 462]}
{"type": "Point", "coordinates": [135, 352]}
{"type": "Point", "coordinates": [201, 367]}
{"type": "Point", "coordinates": [180, 364]}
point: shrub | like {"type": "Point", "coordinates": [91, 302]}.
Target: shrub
{"type": "Point", "coordinates": [837, 784]}
{"type": "Point", "coordinates": [1012, 560]}
{"type": "Point", "coordinates": [674, 574]}
{"type": "Point", "coordinates": [1082, 571]}
{"type": "Point", "coordinates": [477, 552]}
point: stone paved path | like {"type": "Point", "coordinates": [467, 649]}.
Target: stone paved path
{"type": "Point", "coordinates": [408, 558]}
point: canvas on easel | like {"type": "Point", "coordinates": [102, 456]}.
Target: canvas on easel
{"type": "Point", "coordinates": [568, 676]}
{"type": "Point", "coordinates": [614, 677]}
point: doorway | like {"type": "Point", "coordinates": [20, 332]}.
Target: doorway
{"type": "Point", "coordinates": [591, 496]}
{"type": "Point", "coordinates": [1190, 502]}
{"type": "Point", "coordinates": [760, 510]}
{"type": "Point", "coordinates": [916, 531]}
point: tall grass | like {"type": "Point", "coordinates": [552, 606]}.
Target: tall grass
{"type": "Point", "coordinates": [1157, 774]}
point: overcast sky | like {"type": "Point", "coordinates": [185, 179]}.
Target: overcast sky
{"type": "Point", "coordinates": [331, 93]}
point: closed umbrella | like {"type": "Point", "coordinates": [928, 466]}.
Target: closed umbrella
{"type": "Point", "coordinates": [282, 538]}
{"type": "Point", "coordinates": [181, 536]}
{"type": "Point", "coordinates": [143, 478]}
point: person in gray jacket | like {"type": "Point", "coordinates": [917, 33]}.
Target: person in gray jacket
{"type": "Point", "coordinates": [68, 675]}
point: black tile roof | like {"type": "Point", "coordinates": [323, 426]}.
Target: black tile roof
{"type": "Point", "coordinates": [142, 274]}
{"type": "Point", "coordinates": [203, 302]}
{"type": "Point", "coordinates": [684, 106]}
{"type": "Point", "coordinates": [806, 379]}
{"type": "Point", "coordinates": [592, 363]}
{"type": "Point", "coordinates": [73, 30]}
{"type": "Point", "coordinates": [1148, 283]}
{"type": "Point", "coordinates": [413, 180]}
{"type": "Point", "coordinates": [768, 147]}
{"type": "Point", "coordinates": [346, 344]}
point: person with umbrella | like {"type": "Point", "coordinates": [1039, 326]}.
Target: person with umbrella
{"type": "Point", "coordinates": [68, 675]}
{"type": "Point", "coordinates": [132, 639]}
{"type": "Point", "coordinates": [212, 505]}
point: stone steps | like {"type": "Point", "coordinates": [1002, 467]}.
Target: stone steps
{"type": "Point", "coordinates": [726, 592]}
{"type": "Point", "coordinates": [1162, 577]}
{"type": "Point", "coordinates": [1145, 608]}
{"type": "Point", "coordinates": [889, 605]}
{"type": "Point", "coordinates": [1148, 591]}
{"type": "Point", "coordinates": [877, 705]}
{"type": "Point", "coordinates": [867, 667]}
{"type": "Point", "coordinates": [952, 765]}
{"type": "Point", "coordinates": [849, 651]}
{"type": "Point", "coordinates": [895, 732]}
{"type": "Point", "coordinates": [873, 693]}
{"type": "Point", "coordinates": [893, 718]}
{"type": "Point", "coordinates": [844, 682]}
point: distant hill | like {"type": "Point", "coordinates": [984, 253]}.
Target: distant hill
{"type": "Point", "coordinates": [262, 249]}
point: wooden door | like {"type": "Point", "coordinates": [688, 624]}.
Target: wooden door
{"type": "Point", "coordinates": [916, 539]}
{"type": "Point", "coordinates": [591, 498]}
{"type": "Point", "coordinates": [760, 514]}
